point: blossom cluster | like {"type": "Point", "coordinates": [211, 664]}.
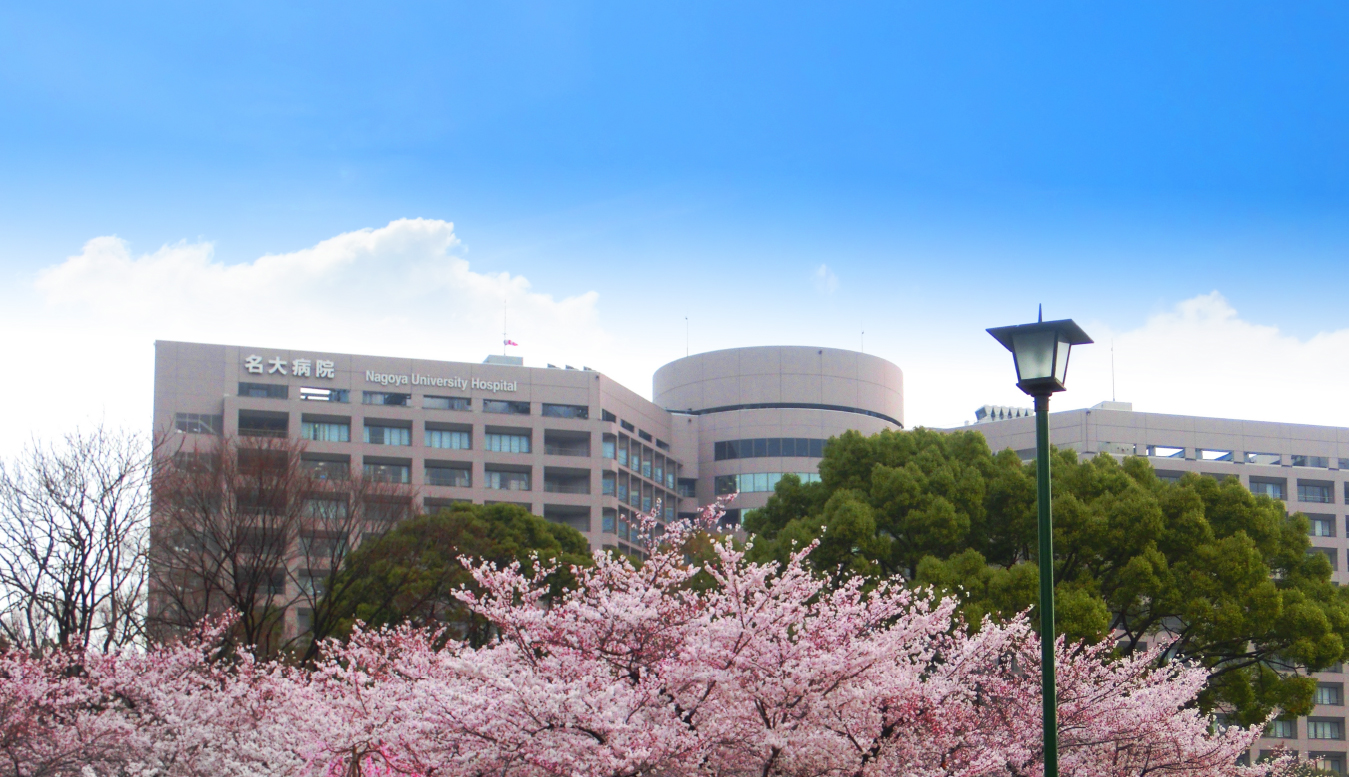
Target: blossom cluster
{"type": "Point", "coordinates": [721, 668]}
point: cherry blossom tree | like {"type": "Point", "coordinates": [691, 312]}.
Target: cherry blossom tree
{"type": "Point", "coordinates": [635, 671]}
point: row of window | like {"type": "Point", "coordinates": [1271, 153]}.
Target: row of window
{"type": "Point", "coordinates": [400, 399]}
{"type": "Point", "coordinates": [752, 482]}
{"type": "Point", "coordinates": [640, 459]}
{"type": "Point", "coordinates": [1217, 454]}
{"type": "Point", "coordinates": [1313, 491]}
{"type": "Point", "coordinates": [761, 447]}
{"type": "Point", "coordinates": [634, 492]}
{"type": "Point", "coordinates": [1317, 728]}
{"type": "Point", "coordinates": [376, 433]}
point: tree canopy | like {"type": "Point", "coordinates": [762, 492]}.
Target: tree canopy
{"type": "Point", "coordinates": [408, 574]}
{"type": "Point", "coordinates": [1224, 573]}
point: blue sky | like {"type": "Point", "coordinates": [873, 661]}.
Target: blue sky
{"type": "Point", "coordinates": [775, 172]}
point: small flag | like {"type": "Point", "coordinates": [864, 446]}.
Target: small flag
{"type": "Point", "coordinates": [509, 342]}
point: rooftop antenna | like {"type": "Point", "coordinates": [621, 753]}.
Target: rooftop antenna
{"type": "Point", "coordinates": [864, 341]}
{"type": "Point", "coordinates": [1042, 313]}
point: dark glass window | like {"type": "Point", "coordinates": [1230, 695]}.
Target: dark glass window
{"type": "Point", "coordinates": [198, 423]}
{"type": "Point", "coordinates": [385, 398]}
{"type": "Point", "coordinates": [566, 411]}
{"type": "Point", "coordinates": [446, 403]}
{"type": "Point", "coordinates": [505, 406]}
{"type": "Point", "coordinates": [644, 435]}
{"type": "Point", "coordinates": [800, 447]}
{"type": "Point", "coordinates": [264, 390]}
{"type": "Point", "coordinates": [627, 426]}
{"type": "Point", "coordinates": [605, 415]}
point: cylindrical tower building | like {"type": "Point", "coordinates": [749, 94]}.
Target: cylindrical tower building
{"type": "Point", "coordinates": [755, 413]}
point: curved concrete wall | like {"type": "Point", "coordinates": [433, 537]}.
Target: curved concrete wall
{"type": "Point", "coordinates": [776, 391]}
{"type": "Point", "coordinates": [788, 374]}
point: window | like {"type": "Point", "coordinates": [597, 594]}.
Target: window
{"type": "Point", "coordinates": [1319, 462]}
{"type": "Point", "coordinates": [264, 390]}
{"type": "Point", "coordinates": [1268, 459]}
{"type": "Point", "coordinates": [1208, 454]}
{"type": "Point", "coordinates": [312, 394]}
{"type": "Point", "coordinates": [556, 443]}
{"type": "Point", "coordinates": [322, 546]}
{"type": "Point", "coordinates": [507, 481]}
{"type": "Point", "coordinates": [566, 411]}
{"type": "Point", "coordinates": [1281, 729]}
{"type": "Point", "coordinates": [623, 489]}
{"type": "Point", "coordinates": [386, 510]}
{"type": "Point", "coordinates": [623, 452]}
{"type": "Point", "coordinates": [644, 435]}
{"type": "Point", "coordinates": [506, 443]}
{"type": "Point", "coordinates": [1331, 694]}
{"type": "Point", "coordinates": [605, 415]}
{"type": "Point", "coordinates": [1274, 489]}
{"type": "Point", "coordinates": [609, 521]}
{"type": "Point", "coordinates": [198, 423]}
{"type": "Point", "coordinates": [1309, 491]}
{"type": "Point", "coordinates": [385, 398]}
{"type": "Point", "coordinates": [443, 438]}
{"type": "Point", "coordinates": [1327, 762]}
{"type": "Point", "coordinates": [304, 620]}
{"type": "Point", "coordinates": [257, 423]}
{"type": "Point", "coordinates": [1170, 476]}
{"type": "Point", "coordinates": [1325, 728]}
{"type": "Point", "coordinates": [566, 482]}
{"type": "Point", "coordinates": [646, 463]}
{"type": "Point", "coordinates": [458, 477]}
{"type": "Point", "coordinates": [629, 427]}
{"type": "Point", "coordinates": [797, 447]}
{"type": "Point", "coordinates": [325, 431]}
{"type": "Point", "coordinates": [328, 508]}
{"type": "Point", "coordinates": [387, 435]}
{"type": "Point", "coordinates": [608, 484]}
{"type": "Point", "coordinates": [313, 583]}
{"type": "Point", "coordinates": [609, 447]}
{"type": "Point", "coordinates": [752, 482]}
{"type": "Point", "coordinates": [505, 406]}
{"type": "Point", "coordinates": [446, 403]}
{"type": "Point", "coordinates": [1166, 452]}
{"type": "Point", "coordinates": [670, 476]}
{"type": "Point", "coordinates": [688, 487]}
{"type": "Point", "coordinates": [659, 475]}
{"type": "Point", "coordinates": [1332, 555]}
{"type": "Point", "coordinates": [1322, 525]}
{"type": "Point", "coordinates": [389, 473]}
{"type": "Point", "coordinates": [326, 469]}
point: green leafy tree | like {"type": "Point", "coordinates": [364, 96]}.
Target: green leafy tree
{"type": "Point", "coordinates": [409, 574]}
{"type": "Point", "coordinates": [1223, 575]}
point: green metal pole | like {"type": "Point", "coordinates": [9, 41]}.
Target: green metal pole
{"type": "Point", "coordinates": [1047, 637]}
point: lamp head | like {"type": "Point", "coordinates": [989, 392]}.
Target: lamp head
{"type": "Point", "coordinates": [1040, 352]}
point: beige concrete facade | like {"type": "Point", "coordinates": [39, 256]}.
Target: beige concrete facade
{"type": "Point", "coordinates": [1305, 466]}
{"type": "Point", "coordinates": [618, 454]}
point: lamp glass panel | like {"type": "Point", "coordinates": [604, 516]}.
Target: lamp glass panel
{"type": "Point", "coordinates": [1034, 353]}
{"type": "Point", "coordinates": [1061, 360]}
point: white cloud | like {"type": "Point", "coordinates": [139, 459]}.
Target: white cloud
{"type": "Point", "coordinates": [1198, 358]}
{"type": "Point", "coordinates": [826, 282]}
{"type": "Point", "coordinates": [79, 335]}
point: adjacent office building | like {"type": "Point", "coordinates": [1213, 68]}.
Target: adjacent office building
{"type": "Point", "coordinates": [571, 445]}
{"type": "Point", "coordinates": [1305, 466]}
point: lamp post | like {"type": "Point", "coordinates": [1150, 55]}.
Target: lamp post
{"type": "Point", "coordinates": [1040, 351]}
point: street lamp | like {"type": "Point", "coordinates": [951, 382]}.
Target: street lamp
{"type": "Point", "coordinates": [1040, 351]}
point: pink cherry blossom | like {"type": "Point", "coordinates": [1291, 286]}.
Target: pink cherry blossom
{"type": "Point", "coordinates": [638, 670]}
